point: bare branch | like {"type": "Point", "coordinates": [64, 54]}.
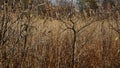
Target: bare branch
{"type": "Point", "coordinates": [85, 26]}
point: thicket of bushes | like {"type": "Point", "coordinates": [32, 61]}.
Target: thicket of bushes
{"type": "Point", "coordinates": [39, 35]}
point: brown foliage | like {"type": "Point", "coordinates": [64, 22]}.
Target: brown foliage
{"type": "Point", "coordinates": [70, 41]}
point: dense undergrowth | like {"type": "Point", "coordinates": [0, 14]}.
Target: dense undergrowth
{"type": "Point", "coordinates": [60, 40]}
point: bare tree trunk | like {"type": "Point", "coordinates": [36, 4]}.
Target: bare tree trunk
{"type": "Point", "coordinates": [73, 48]}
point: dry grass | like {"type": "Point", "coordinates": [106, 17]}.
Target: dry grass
{"type": "Point", "coordinates": [48, 46]}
